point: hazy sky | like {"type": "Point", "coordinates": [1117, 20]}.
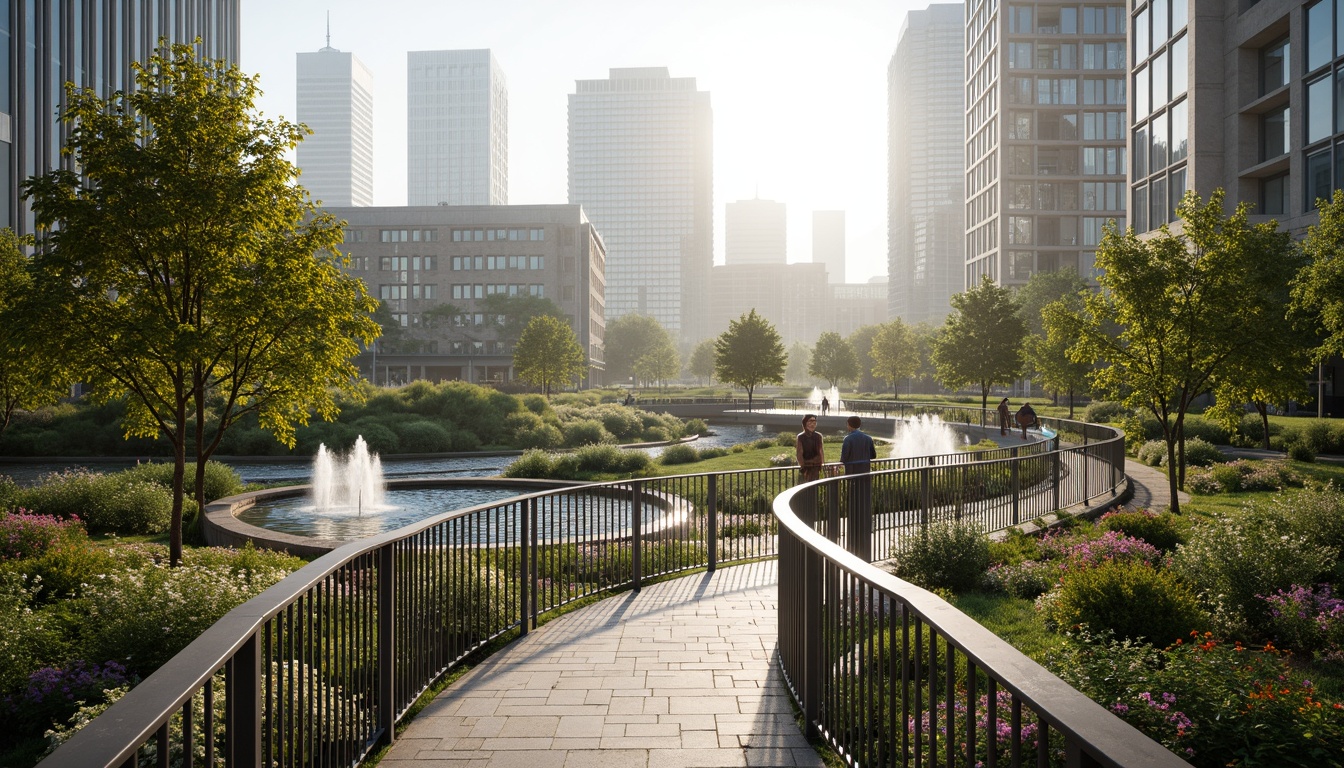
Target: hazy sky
{"type": "Point", "coordinates": [798, 89]}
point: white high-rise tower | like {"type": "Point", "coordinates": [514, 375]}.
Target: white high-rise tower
{"type": "Point", "coordinates": [457, 129]}
{"type": "Point", "coordinates": [334, 97]}
{"type": "Point", "coordinates": [641, 165]}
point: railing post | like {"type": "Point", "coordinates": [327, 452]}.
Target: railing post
{"type": "Point", "coordinates": [243, 687]}
{"type": "Point", "coordinates": [1086, 456]}
{"type": "Point", "coordinates": [925, 496]}
{"type": "Point", "coordinates": [814, 656]}
{"type": "Point", "coordinates": [712, 507]}
{"type": "Point", "coordinates": [1016, 486]}
{"type": "Point", "coordinates": [1054, 474]}
{"type": "Point", "coordinates": [636, 535]}
{"type": "Point", "coordinates": [387, 651]}
{"type": "Point", "coordinates": [525, 609]}
{"type": "Point", "coordinates": [833, 510]}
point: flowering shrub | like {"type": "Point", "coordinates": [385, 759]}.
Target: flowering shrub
{"type": "Point", "coordinates": [1027, 580]}
{"type": "Point", "coordinates": [1307, 621]}
{"type": "Point", "coordinates": [1163, 531]}
{"type": "Point", "coordinates": [782, 460]}
{"type": "Point", "coordinates": [66, 569]}
{"type": "Point", "coordinates": [1153, 453]}
{"type": "Point", "coordinates": [120, 503]}
{"type": "Point", "coordinates": [1242, 476]}
{"type": "Point", "coordinates": [29, 638]}
{"type": "Point", "coordinates": [1131, 599]}
{"type": "Point", "coordinates": [53, 694]}
{"type": "Point", "coordinates": [1213, 704]}
{"type": "Point", "coordinates": [24, 534]}
{"type": "Point", "coordinates": [1111, 546]}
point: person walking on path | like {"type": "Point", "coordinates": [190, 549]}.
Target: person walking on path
{"type": "Point", "coordinates": [1004, 417]}
{"type": "Point", "coordinates": [825, 406]}
{"type": "Point", "coordinates": [857, 453]}
{"type": "Point", "coordinates": [809, 450]}
{"type": "Point", "coordinates": [1026, 417]}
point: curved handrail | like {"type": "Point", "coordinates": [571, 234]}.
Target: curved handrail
{"type": "Point", "coordinates": [327, 659]}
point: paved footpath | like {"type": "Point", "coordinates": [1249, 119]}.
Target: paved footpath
{"type": "Point", "coordinates": [680, 675]}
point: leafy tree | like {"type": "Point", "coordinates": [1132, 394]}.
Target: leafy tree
{"type": "Point", "coordinates": [701, 364]}
{"type": "Point", "coordinates": [925, 335]}
{"type": "Point", "coordinates": [862, 342]}
{"type": "Point", "coordinates": [511, 314]}
{"type": "Point", "coordinates": [658, 365]}
{"type": "Point", "coordinates": [799, 357]}
{"type": "Point", "coordinates": [833, 359]}
{"type": "Point", "coordinates": [183, 269]}
{"type": "Point", "coordinates": [1046, 361]}
{"type": "Point", "coordinates": [749, 354]}
{"type": "Point", "coordinates": [1318, 289]}
{"type": "Point", "coordinates": [30, 377]}
{"type": "Point", "coordinates": [895, 353]}
{"type": "Point", "coordinates": [548, 354]}
{"type": "Point", "coordinates": [1177, 310]}
{"type": "Point", "coordinates": [441, 317]}
{"type": "Point", "coordinates": [981, 340]}
{"type": "Point", "coordinates": [1044, 288]}
{"type": "Point", "coordinates": [627, 338]}
{"type": "Point", "coordinates": [1048, 354]}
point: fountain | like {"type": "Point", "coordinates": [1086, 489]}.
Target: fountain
{"type": "Point", "coordinates": [832, 395]}
{"type": "Point", "coordinates": [349, 483]}
{"type": "Point", "coordinates": [923, 435]}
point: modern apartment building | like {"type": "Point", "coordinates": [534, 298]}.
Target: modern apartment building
{"type": "Point", "coordinates": [828, 243]}
{"type": "Point", "coordinates": [46, 44]}
{"type": "Point", "coordinates": [434, 266]}
{"type": "Point", "coordinates": [457, 129]}
{"type": "Point", "coordinates": [1045, 135]}
{"type": "Point", "coordinates": [755, 232]}
{"type": "Point", "coordinates": [641, 165]}
{"type": "Point", "coordinates": [334, 95]}
{"type": "Point", "coordinates": [926, 167]}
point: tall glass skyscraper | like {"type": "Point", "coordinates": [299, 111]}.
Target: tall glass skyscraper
{"type": "Point", "coordinates": [334, 96]}
{"type": "Point", "coordinates": [1045, 137]}
{"type": "Point", "coordinates": [641, 165]}
{"type": "Point", "coordinates": [926, 167]}
{"type": "Point", "coordinates": [457, 129]}
{"type": "Point", "coordinates": [46, 43]}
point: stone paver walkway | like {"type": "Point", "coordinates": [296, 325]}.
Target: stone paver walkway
{"type": "Point", "coordinates": [680, 675]}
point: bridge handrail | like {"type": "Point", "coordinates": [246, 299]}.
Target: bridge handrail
{"type": "Point", "coordinates": [328, 620]}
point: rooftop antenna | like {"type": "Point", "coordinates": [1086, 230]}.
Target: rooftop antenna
{"type": "Point", "coordinates": [328, 28]}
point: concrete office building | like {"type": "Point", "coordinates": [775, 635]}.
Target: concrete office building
{"type": "Point", "coordinates": [926, 165]}
{"type": "Point", "coordinates": [46, 44]}
{"type": "Point", "coordinates": [641, 165]}
{"type": "Point", "coordinates": [793, 297]}
{"type": "Point", "coordinates": [755, 232]}
{"type": "Point", "coordinates": [418, 260]}
{"type": "Point", "coordinates": [1045, 135]}
{"type": "Point", "coordinates": [334, 95]}
{"type": "Point", "coordinates": [851, 306]}
{"type": "Point", "coordinates": [828, 243]}
{"type": "Point", "coordinates": [457, 129]}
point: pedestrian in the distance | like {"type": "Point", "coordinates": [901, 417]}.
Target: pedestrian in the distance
{"type": "Point", "coordinates": [1026, 417]}
{"type": "Point", "coordinates": [1004, 417]}
{"type": "Point", "coordinates": [825, 406]}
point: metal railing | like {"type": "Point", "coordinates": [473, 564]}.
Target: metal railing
{"type": "Point", "coordinates": [318, 668]}
{"type": "Point", "coordinates": [890, 674]}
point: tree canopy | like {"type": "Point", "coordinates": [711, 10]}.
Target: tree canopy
{"type": "Point", "coordinates": [657, 365]}
{"type": "Point", "coordinates": [796, 371]}
{"type": "Point", "coordinates": [512, 314]}
{"type": "Point", "coordinates": [548, 355]}
{"type": "Point", "coordinates": [833, 359]}
{"type": "Point", "coordinates": [30, 375]}
{"type": "Point", "coordinates": [627, 338]}
{"type": "Point", "coordinates": [749, 353]}
{"type": "Point", "coordinates": [981, 340]}
{"type": "Point", "coordinates": [701, 364]}
{"type": "Point", "coordinates": [895, 353]}
{"type": "Point", "coordinates": [1047, 356]}
{"type": "Point", "coordinates": [1176, 310]}
{"type": "Point", "coordinates": [183, 269]}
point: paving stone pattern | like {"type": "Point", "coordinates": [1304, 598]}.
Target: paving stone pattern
{"type": "Point", "coordinates": [680, 675]}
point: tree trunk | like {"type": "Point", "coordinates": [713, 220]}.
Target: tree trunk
{"type": "Point", "coordinates": [984, 395]}
{"type": "Point", "coordinates": [179, 473]}
{"type": "Point", "coordinates": [1171, 465]}
{"type": "Point", "coordinates": [1070, 401]}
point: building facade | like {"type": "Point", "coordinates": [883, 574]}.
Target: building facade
{"type": "Point", "coordinates": [46, 44]}
{"type": "Point", "coordinates": [828, 243]}
{"type": "Point", "coordinates": [755, 232]}
{"type": "Point", "coordinates": [793, 297]}
{"type": "Point", "coordinates": [851, 306]}
{"type": "Point", "coordinates": [926, 167]}
{"type": "Point", "coordinates": [1045, 135]}
{"type": "Point", "coordinates": [433, 267]}
{"type": "Point", "coordinates": [334, 98]}
{"type": "Point", "coordinates": [641, 165]}
{"type": "Point", "coordinates": [457, 129]}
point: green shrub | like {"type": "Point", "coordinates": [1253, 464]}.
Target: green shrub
{"type": "Point", "coordinates": [466, 441]}
{"type": "Point", "coordinates": [535, 464]}
{"type": "Point", "coordinates": [1105, 411]}
{"type": "Point", "coordinates": [1153, 453]}
{"type": "Point", "coordinates": [1301, 452]}
{"type": "Point", "coordinates": [9, 493]}
{"type": "Point", "coordinates": [380, 438]}
{"type": "Point", "coordinates": [1163, 530]}
{"type": "Point", "coordinates": [1233, 559]}
{"type": "Point", "coordinates": [765, 442]}
{"type": "Point", "coordinates": [624, 423]}
{"type": "Point", "coordinates": [528, 430]}
{"type": "Point", "coordinates": [713, 453]}
{"type": "Point", "coordinates": [744, 500]}
{"type": "Point", "coordinates": [608, 459]}
{"type": "Point", "coordinates": [1203, 429]}
{"type": "Point", "coordinates": [30, 637]}
{"type": "Point", "coordinates": [1131, 599]}
{"type": "Point", "coordinates": [679, 454]}
{"type": "Point", "coordinates": [120, 503]}
{"type": "Point", "coordinates": [1027, 580]}
{"type": "Point", "coordinates": [696, 427]}
{"type": "Point", "coordinates": [424, 437]}
{"type": "Point", "coordinates": [950, 554]}
{"type": "Point", "coordinates": [656, 435]}
{"type": "Point", "coordinates": [221, 480]}
{"type": "Point", "coordinates": [65, 570]}
{"type": "Point", "coordinates": [587, 432]}
{"type": "Point", "coordinates": [1316, 514]}
{"type": "Point", "coordinates": [1201, 453]}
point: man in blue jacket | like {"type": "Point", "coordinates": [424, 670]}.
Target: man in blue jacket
{"type": "Point", "coordinates": [857, 453]}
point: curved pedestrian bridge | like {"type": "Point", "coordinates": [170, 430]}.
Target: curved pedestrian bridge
{"type": "Point", "coordinates": [683, 673]}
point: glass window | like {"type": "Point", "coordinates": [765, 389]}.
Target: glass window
{"type": "Point", "coordinates": [1318, 177]}
{"type": "Point", "coordinates": [1161, 91]}
{"type": "Point", "coordinates": [1177, 191]}
{"type": "Point", "coordinates": [1019, 125]}
{"type": "Point", "coordinates": [1180, 131]}
{"type": "Point", "coordinates": [1140, 209]}
{"type": "Point", "coordinates": [1019, 230]}
{"type": "Point", "coordinates": [1339, 100]}
{"type": "Point", "coordinates": [1158, 131]}
{"type": "Point", "coordinates": [1179, 15]}
{"type": "Point", "coordinates": [1274, 134]}
{"type": "Point", "coordinates": [1158, 208]}
{"type": "Point", "coordinates": [1159, 22]}
{"type": "Point", "coordinates": [1320, 110]}
{"type": "Point", "coordinates": [1019, 19]}
{"type": "Point", "coordinates": [1068, 126]}
{"type": "Point", "coordinates": [1180, 64]}
{"type": "Point", "coordinates": [1141, 45]}
{"type": "Point", "coordinates": [1068, 20]}
{"type": "Point", "coordinates": [1019, 196]}
{"type": "Point", "coordinates": [1141, 152]}
{"type": "Point", "coordinates": [1320, 34]}
{"type": "Point", "coordinates": [1047, 20]}
{"type": "Point", "coordinates": [1019, 55]}
{"type": "Point", "coordinates": [1142, 107]}
{"type": "Point", "coordinates": [1274, 195]}
{"type": "Point", "coordinates": [1274, 66]}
